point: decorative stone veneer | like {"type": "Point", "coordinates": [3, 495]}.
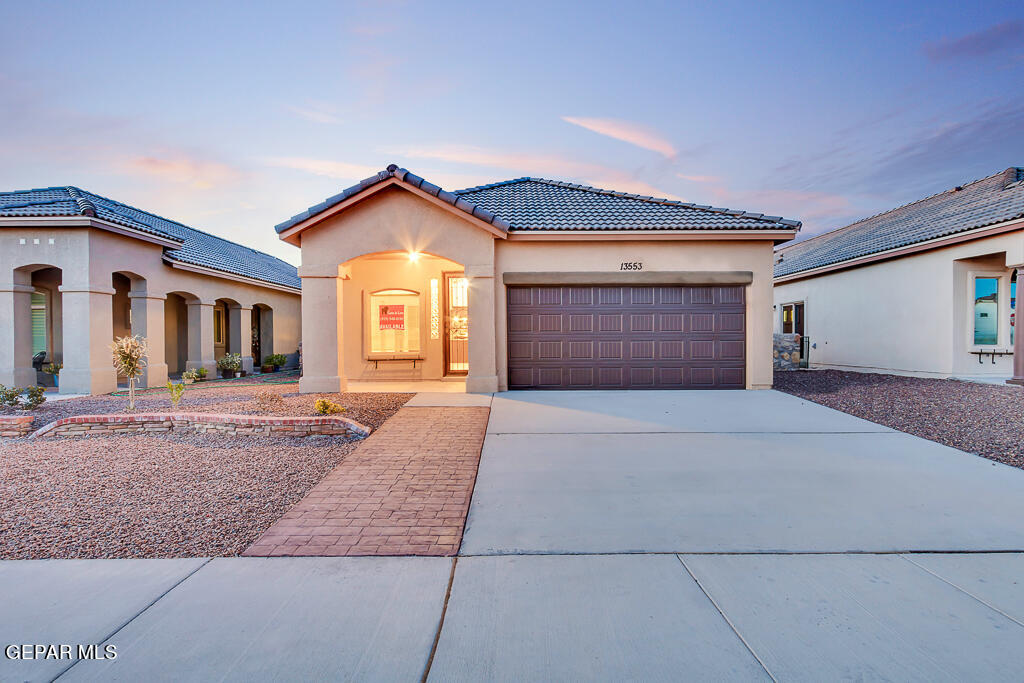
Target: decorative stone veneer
{"type": "Point", "coordinates": [787, 352]}
{"type": "Point", "coordinates": [86, 425]}
{"type": "Point", "coordinates": [15, 426]}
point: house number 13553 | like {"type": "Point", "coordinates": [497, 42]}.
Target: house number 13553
{"type": "Point", "coordinates": [631, 265]}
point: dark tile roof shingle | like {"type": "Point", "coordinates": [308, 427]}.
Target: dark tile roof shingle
{"type": "Point", "coordinates": [197, 247]}
{"type": "Point", "coordinates": [995, 199]}
{"type": "Point", "coordinates": [540, 204]}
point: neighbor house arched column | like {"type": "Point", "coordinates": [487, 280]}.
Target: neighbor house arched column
{"type": "Point", "coordinates": [200, 336]}
{"type": "Point", "coordinates": [16, 332]}
{"type": "Point", "coordinates": [88, 320]}
{"type": "Point", "coordinates": [483, 373]}
{"type": "Point", "coordinates": [240, 336]}
{"type": "Point", "coordinates": [323, 365]}
{"type": "Point", "coordinates": [148, 322]}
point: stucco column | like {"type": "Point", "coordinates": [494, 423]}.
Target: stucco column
{"type": "Point", "coordinates": [1018, 337]}
{"type": "Point", "coordinates": [323, 365]}
{"type": "Point", "coordinates": [16, 335]}
{"type": "Point", "coordinates": [88, 332]}
{"type": "Point", "coordinates": [240, 337]}
{"type": "Point", "coordinates": [200, 337]}
{"type": "Point", "coordinates": [483, 373]}
{"type": "Point", "coordinates": [148, 322]}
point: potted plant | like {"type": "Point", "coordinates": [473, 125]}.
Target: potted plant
{"type": "Point", "coordinates": [54, 370]}
{"type": "Point", "coordinates": [230, 365]}
{"type": "Point", "coordinates": [267, 367]}
{"type": "Point", "coordinates": [190, 376]}
{"type": "Point", "coordinates": [201, 374]}
{"type": "Point", "coordinates": [277, 360]}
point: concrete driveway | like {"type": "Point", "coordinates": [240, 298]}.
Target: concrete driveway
{"type": "Point", "coordinates": [710, 472]}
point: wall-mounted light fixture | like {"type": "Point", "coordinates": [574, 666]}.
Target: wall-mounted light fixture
{"type": "Point", "coordinates": [414, 256]}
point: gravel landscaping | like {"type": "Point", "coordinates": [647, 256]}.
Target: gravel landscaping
{"type": "Point", "coordinates": [169, 495]}
{"type": "Point", "coordinates": [986, 419]}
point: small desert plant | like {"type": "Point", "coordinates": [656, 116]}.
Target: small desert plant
{"type": "Point", "coordinates": [202, 373]}
{"type": "Point", "coordinates": [9, 398]}
{"type": "Point", "coordinates": [324, 406]}
{"type": "Point", "coordinates": [176, 391]}
{"type": "Point", "coordinates": [34, 397]}
{"type": "Point", "coordinates": [190, 376]}
{"type": "Point", "coordinates": [53, 368]}
{"type": "Point", "coordinates": [231, 362]}
{"type": "Point", "coordinates": [278, 360]}
{"type": "Point", "coordinates": [268, 400]}
{"type": "Point", "coordinates": [129, 354]}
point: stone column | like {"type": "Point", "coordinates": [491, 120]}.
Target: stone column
{"type": "Point", "coordinates": [483, 374]}
{"type": "Point", "coordinates": [323, 364]}
{"type": "Point", "coordinates": [1018, 337]}
{"type": "Point", "coordinates": [16, 334]}
{"type": "Point", "coordinates": [88, 332]}
{"type": "Point", "coordinates": [240, 337]}
{"type": "Point", "coordinates": [148, 322]}
{"type": "Point", "coordinates": [200, 336]}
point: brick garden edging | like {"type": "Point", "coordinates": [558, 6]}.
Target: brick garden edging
{"type": "Point", "coordinates": [15, 426]}
{"type": "Point", "coordinates": [87, 425]}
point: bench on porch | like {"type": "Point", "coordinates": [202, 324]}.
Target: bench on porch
{"type": "Point", "coordinates": [980, 353]}
{"type": "Point", "coordinates": [394, 359]}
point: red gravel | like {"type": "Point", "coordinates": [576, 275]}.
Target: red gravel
{"type": "Point", "coordinates": [173, 495]}
{"type": "Point", "coordinates": [986, 419]}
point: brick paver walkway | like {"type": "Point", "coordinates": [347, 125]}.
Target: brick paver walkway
{"type": "Point", "coordinates": [403, 491]}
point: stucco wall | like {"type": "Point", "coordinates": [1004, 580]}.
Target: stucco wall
{"type": "Point", "coordinates": [907, 315]}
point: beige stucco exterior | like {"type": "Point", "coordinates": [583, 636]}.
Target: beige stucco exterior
{"type": "Point", "coordinates": [911, 314]}
{"type": "Point", "coordinates": [102, 283]}
{"type": "Point", "coordinates": [365, 247]}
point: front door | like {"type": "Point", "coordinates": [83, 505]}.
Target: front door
{"type": "Point", "coordinates": [456, 324]}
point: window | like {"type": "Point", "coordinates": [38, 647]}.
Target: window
{"type": "Point", "coordinates": [986, 311]}
{"type": "Point", "coordinates": [1013, 306]}
{"type": "Point", "coordinates": [394, 321]}
{"type": "Point", "coordinates": [38, 322]}
{"type": "Point", "coordinates": [793, 318]}
{"type": "Point", "coordinates": [218, 326]}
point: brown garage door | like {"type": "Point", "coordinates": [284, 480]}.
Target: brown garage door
{"type": "Point", "coordinates": [626, 337]}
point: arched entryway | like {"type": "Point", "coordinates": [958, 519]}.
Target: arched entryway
{"type": "Point", "coordinates": [262, 330]}
{"type": "Point", "coordinates": [34, 333]}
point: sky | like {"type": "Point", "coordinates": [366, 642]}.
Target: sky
{"type": "Point", "coordinates": [232, 117]}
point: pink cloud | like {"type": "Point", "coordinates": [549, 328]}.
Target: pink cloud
{"type": "Point", "coordinates": [700, 178]}
{"type": "Point", "coordinates": [184, 169]}
{"type": "Point", "coordinates": [324, 167]}
{"type": "Point", "coordinates": [318, 112]}
{"type": "Point", "coordinates": [626, 131]}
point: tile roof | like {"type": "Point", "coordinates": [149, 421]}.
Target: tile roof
{"type": "Point", "coordinates": [393, 171]}
{"type": "Point", "coordinates": [995, 199]}
{"type": "Point", "coordinates": [540, 204]}
{"type": "Point", "coordinates": [197, 247]}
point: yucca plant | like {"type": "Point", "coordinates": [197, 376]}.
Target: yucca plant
{"type": "Point", "coordinates": [129, 355]}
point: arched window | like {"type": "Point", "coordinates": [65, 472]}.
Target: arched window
{"type": "Point", "coordinates": [394, 320]}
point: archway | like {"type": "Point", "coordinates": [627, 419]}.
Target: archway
{"type": "Point", "coordinates": [262, 333]}
{"type": "Point", "coordinates": [34, 336]}
{"type": "Point", "coordinates": [177, 331]}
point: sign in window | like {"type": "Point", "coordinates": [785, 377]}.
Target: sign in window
{"type": "Point", "coordinates": [395, 321]}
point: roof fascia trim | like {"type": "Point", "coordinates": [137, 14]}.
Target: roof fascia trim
{"type": "Point", "coordinates": [290, 235]}
{"type": "Point", "coordinates": [776, 236]}
{"type": "Point", "coordinates": [88, 222]}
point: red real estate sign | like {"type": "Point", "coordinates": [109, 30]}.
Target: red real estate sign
{"type": "Point", "coordinates": [392, 316]}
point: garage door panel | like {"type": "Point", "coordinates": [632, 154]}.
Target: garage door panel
{"type": "Point", "coordinates": [626, 337]}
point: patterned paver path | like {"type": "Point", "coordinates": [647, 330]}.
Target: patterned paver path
{"type": "Point", "coordinates": [403, 491]}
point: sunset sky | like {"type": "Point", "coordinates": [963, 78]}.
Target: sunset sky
{"type": "Point", "coordinates": [233, 117]}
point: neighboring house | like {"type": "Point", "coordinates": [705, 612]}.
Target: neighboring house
{"type": "Point", "coordinates": [532, 283]}
{"type": "Point", "coordinates": [925, 289]}
{"type": "Point", "coordinates": [77, 269]}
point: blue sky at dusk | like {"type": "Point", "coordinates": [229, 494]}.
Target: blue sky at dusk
{"type": "Point", "coordinates": [233, 117]}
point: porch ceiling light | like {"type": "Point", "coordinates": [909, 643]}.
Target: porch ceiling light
{"type": "Point", "coordinates": [414, 256]}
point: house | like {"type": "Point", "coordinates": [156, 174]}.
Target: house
{"type": "Point", "coordinates": [532, 283]}
{"type": "Point", "coordinates": [78, 269]}
{"type": "Point", "coordinates": [924, 289]}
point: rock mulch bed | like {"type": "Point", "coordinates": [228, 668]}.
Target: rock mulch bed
{"type": "Point", "coordinates": [173, 495]}
{"type": "Point", "coordinates": [986, 419]}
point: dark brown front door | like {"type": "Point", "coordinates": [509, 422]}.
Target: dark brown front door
{"type": "Point", "coordinates": [626, 337]}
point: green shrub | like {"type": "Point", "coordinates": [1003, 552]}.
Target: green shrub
{"type": "Point", "coordinates": [190, 376]}
{"type": "Point", "coordinates": [9, 398]}
{"type": "Point", "coordinates": [231, 362]}
{"type": "Point", "coordinates": [176, 391]}
{"type": "Point", "coordinates": [202, 372]}
{"type": "Point", "coordinates": [278, 360]}
{"type": "Point", "coordinates": [53, 368]}
{"type": "Point", "coordinates": [324, 406]}
{"type": "Point", "coordinates": [34, 397]}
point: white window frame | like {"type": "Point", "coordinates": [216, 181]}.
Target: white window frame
{"type": "Point", "coordinates": [1003, 308]}
{"type": "Point", "coordinates": [782, 312]}
{"type": "Point", "coordinates": [368, 352]}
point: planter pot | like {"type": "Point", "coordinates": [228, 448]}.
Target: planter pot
{"type": "Point", "coordinates": [276, 368]}
{"type": "Point", "coordinates": [56, 381]}
{"type": "Point", "coordinates": [237, 373]}
{"type": "Point", "coordinates": [244, 373]}
{"type": "Point", "coordinates": [188, 381]}
{"type": "Point", "coordinates": [268, 368]}
{"type": "Point", "coordinates": [227, 374]}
